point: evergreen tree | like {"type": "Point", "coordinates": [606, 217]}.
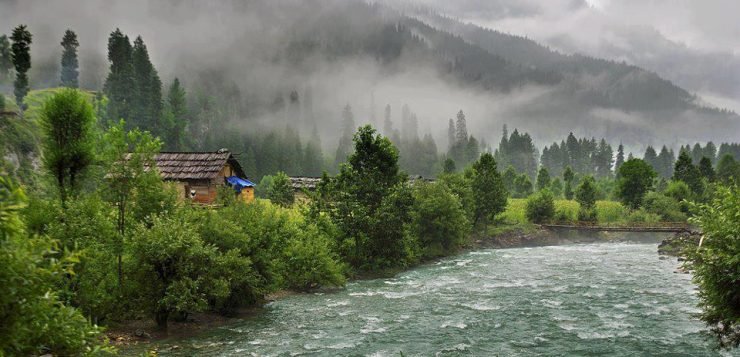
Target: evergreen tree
{"type": "Point", "coordinates": [21, 54]}
{"type": "Point", "coordinates": [688, 173]}
{"type": "Point", "coordinates": [543, 179]}
{"type": "Point", "coordinates": [119, 85]}
{"type": "Point", "coordinates": [449, 166]}
{"type": "Point", "coordinates": [710, 151]}
{"type": "Point", "coordinates": [728, 169]}
{"type": "Point", "coordinates": [586, 193]}
{"type": "Point", "coordinates": [461, 129]}
{"type": "Point", "coordinates": [345, 140]}
{"type": "Point", "coordinates": [147, 100]}
{"type": "Point", "coordinates": [696, 153]}
{"type": "Point", "coordinates": [70, 65]}
{"type": "Point", "coordinates": [665, 162]}
{"type": "Point", "coordinates": [568, 177]}
{"type": "Point", "coordinates": [488, 189]}
{"type": "Point", "coordinates": [175, 119]}
{"type": "Point", "coordinates": [6, 58]}
{"type": "Point", "coordinates": [67, 120]}
{"type": "Point", "coordinates": [651, 158]}
{"type": "Point", "coordinates": [2, 103]}
{"type": "Point", "coordinates": [706, 169]}
{"type": "Point", "coordinates": [387, 122]}
{"type": "Point", "coordinates": [313, 160]}
{"type": "Point", "coordinates": [522, 186]}
{"type": "Point", "coordinates": [605, 159]}
{"type": "Point", "coordinates": [635, 180]}
{"type": "Point", "coordinates": [620, 157]}
{"type": "Point", "coordinates": [451, 134]}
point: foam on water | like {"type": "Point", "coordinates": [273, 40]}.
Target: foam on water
{"type": "Point", "coordinates": [592, 299]}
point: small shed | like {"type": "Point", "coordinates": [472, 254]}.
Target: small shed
{"type": "Point", "coordinates": [199, 174]}
{"type": "Point", "coordinates": [302, 184]}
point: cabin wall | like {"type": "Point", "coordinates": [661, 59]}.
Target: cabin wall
{"type": "Point", "coordinates": [247, 194]}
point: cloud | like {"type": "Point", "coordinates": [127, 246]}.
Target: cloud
{"type": "Point", "coordinates": [695, 44]}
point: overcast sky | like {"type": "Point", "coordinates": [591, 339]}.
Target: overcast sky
{"type": "Point", "coordinates": [694, 43]}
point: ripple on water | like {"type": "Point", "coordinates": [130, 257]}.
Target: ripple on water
{"type": "Point", "coordinates": [616, 299]}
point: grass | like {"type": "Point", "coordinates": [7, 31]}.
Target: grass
{"type": "Point", "coordinates": [608, 212]}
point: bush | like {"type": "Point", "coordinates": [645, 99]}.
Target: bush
{"type": "Point", "coordinates": [280, 191]}
{"type": "Point", "coordinates": [587, 215]}
{"type": "Point", "coordinates": [642, 216]}
{"type": "Point", "coordinates": [717, 267]}
{"type": "Point", "coordinates": [174, 271]}
{"type": "Point", "coordinates": [611, 212]}
{"type": "Point", "coordinates": [310, 262]}
{"type": "Point", "coordinates": [540, 207]}
{"type": "Point", "coordinates": [667, 208]}
{"type": "Point", "coordinates": [34, 320]}
{"type": "Point", "coordinates": [438, 220]}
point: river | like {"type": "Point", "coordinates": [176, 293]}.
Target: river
{"type": "Point", "coordinates": [617, 299]}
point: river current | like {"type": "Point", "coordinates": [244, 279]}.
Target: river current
{"type": "Point", "coordinates": [616, 299]}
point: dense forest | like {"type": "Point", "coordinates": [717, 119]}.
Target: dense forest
{"type": "Point", "coordinates": [91, 236]}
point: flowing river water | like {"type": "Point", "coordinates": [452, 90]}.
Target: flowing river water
{"type": "Point", "coordinates": [617, 299]}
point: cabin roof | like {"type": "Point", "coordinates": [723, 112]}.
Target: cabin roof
{"type": "Point", "coordinates": [302, 182]}
{"type": "Point", "coordinates": [195, 165]}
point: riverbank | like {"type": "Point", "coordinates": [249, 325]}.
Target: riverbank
{"type": "Point", "coordinates": [582, 299]}
{"type": "Point", "coordinates": [139, 334]}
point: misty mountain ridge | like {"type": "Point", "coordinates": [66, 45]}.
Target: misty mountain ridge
{"type": "Point", "coordinates": [367, 55]}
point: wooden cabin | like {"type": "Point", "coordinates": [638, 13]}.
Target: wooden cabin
{"type": "Point", "coordinates": [302, 185]}
{"type": "Point", "coordinates": [199, 174]}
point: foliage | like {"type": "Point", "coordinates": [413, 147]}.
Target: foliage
{"type": "Point", "coordinates": [716, 265]}
{"type": "Point", "coordinates": [67, 121]}
{"type": "Point", "coordinates": [586, 194]}
{"type": "Point", "coordinates": [459, 184]}
{"type": "Point", "coordinates": [175, 118]}
{"type": "Point", "coordinates": [543, 179]}
{"type": "Point", "coordinates": [34, 320]}
{"type": "Point", "coordinates": [280, 190]}
{"type": "Point", "coordinates": [728, 169]}
{"type": "Point", "coordinates": [635, 179]}
{"type": "Point", "coordinates": [540, 207]}
{"type": "Point", "coordinates": [686, 171]}
{"type": "Point", "coordinates": [439, 222]}
{"type": "Point", "coordinates": [489, 194]}
{"type": "Point", "coordinates": [706, 169]}
{"type": "Point", "coordinates": [568, 177]}
{"type": "Point", "coordinates": [667, 208]}
{"type": "Point", "coordinates": [175, 271]}
{"type": "Point", "coordinates": [21, 54]}
{"type": "Point", "coordinates": [517, 150]}
{"type": "Point", "coordinates": [6, 61]}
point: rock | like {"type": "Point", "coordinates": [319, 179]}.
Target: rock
{"type": "Point", "coordinates": [142, 334]}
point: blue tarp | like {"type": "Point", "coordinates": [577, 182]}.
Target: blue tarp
{"type": "Point", "coordinates": [239, 183]}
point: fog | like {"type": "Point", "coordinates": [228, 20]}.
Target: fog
{"type": "Point", "coordinates": [242, 45]}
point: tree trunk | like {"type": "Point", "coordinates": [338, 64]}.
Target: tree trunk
{"type": "Point", "coordinates": [161, 317]}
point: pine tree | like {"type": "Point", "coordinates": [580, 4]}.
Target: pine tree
{"type": "Point", "coordinates": [688, 173]}
{"type": "Point", "coordinates": [461, 129]}
{"type": "Point", "coordinates": [665, 162]}
{"type": "Point", "coordinates": [21, 54]}
{"type": "Point", "coordinates": [543, 179]}
{"type": "Point", "coordinates": [6, 59]}
{"type": "Point", "coordinates": [488, 188]}
{"type": "Point", "coordinates": [119, 85]}
{"type": "Point", "coordinates": [70, 64]}
{"type": "Point", "coordinates": [568, 177]}
{"type": "Point", "coordinates": [450, 134]}
{"type": "Point", "coordinates": [651, 158]}
{"type": "Point", "coordinates": [147, 104]}
{"type": "Point", "coordinates": [620, 158]}
{"type": "Point", "coordinates": [387, 122]}
{"type": "Point", "coordinates": [345, 140]}
{"type": "Point", "coordinates": [706, 169]}
{"type": "Point", "coordinates": [175, 118]}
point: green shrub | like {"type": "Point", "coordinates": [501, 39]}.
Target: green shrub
{"type": "Point", "coordinates": [716, 265]}
{"type": "Point", "coordinates": [438, 220]}
{"type": "Point", "coordinates": [642, 216]}
{"type": "Point", "coordinates": [611, 212]}
{"type": "Point", "coordinates": [667, 208]}
{"type": "Point", "coordinates": [280, 191]}
{"type": "Point", "coordinates": [174, 271]}
{"type": "Point", "coordinates": [35, 320]}
{"type": "Point", "coordinates": [587, 215]}
{"type": "Point", "coordinates": [540, 207]}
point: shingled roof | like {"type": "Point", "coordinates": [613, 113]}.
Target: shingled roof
{"type": "Point", "coordinates": [195, 165]}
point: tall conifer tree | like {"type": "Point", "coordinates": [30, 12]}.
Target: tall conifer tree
{"type": "Point", "coordinates": [21, 54]}
{"type": "Point", "coordinates": [70, 64]}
